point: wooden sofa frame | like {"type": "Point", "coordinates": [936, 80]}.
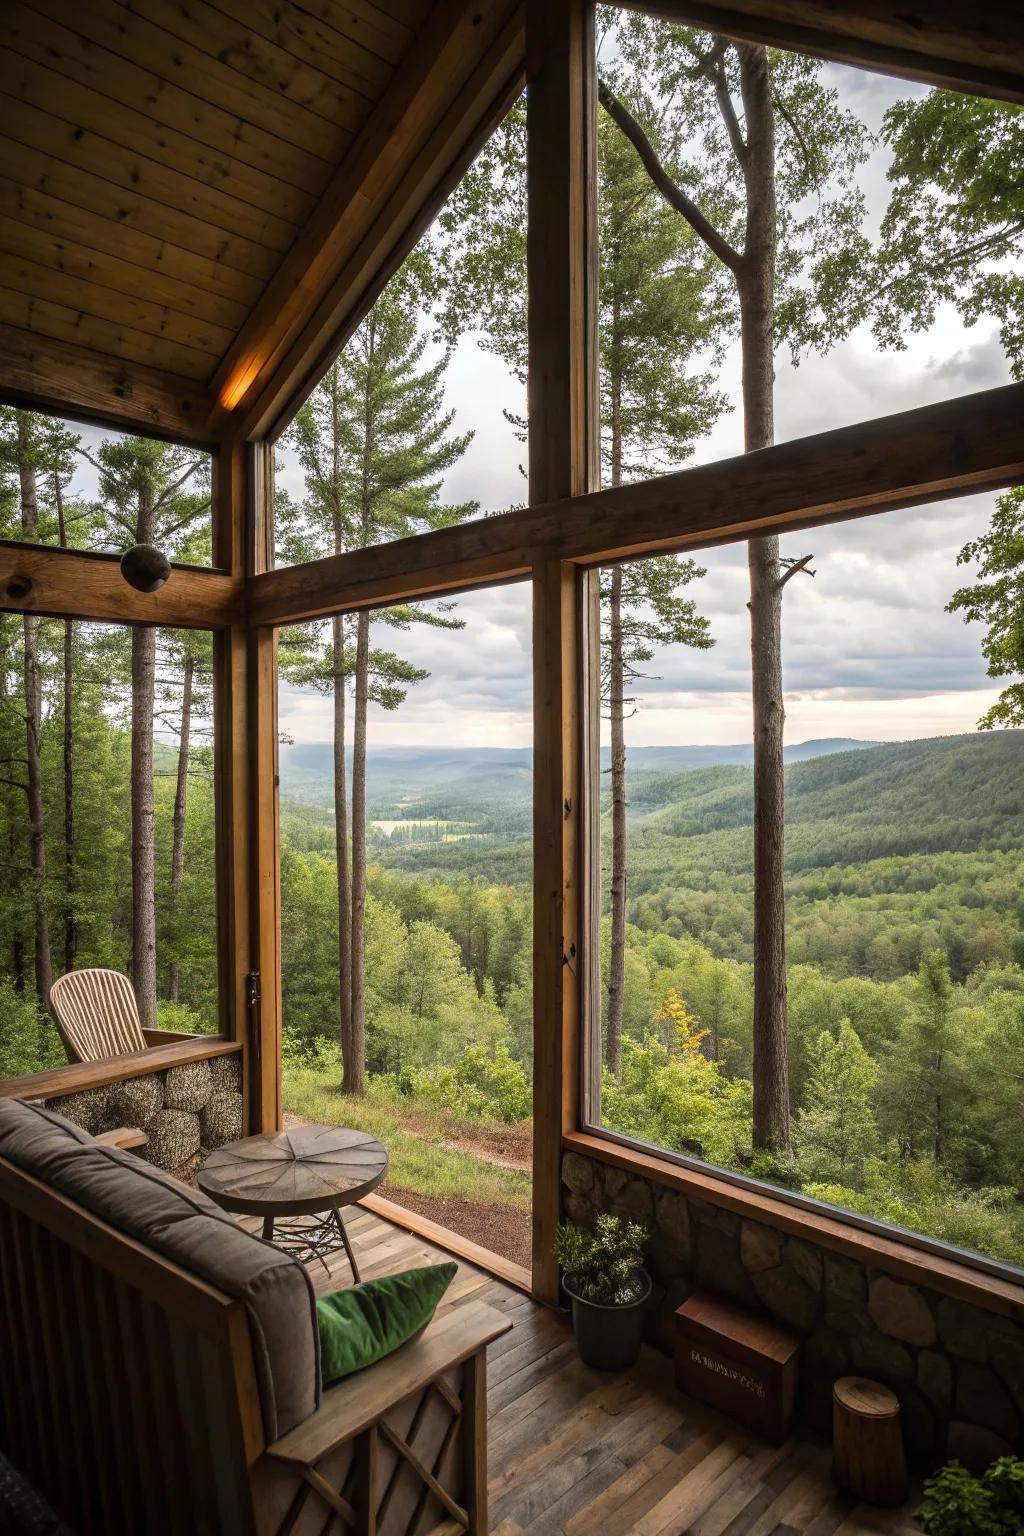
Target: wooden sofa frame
{"type": "Point", "coordinates": [128, 1395]}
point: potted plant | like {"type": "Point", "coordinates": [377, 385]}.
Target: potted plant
{"type": "Point", "coordinates": [608, 1285]}
{"type": "Point", "coordinates": [956, 1503]}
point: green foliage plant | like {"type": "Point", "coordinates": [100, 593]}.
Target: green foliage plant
{"type": "Point", "coordinates": [956, 1503]}
{"type": "Point", "coordinates": [604, 1266]}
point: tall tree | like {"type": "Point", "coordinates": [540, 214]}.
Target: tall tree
{"type": "Point", "coordinates": [24, 458]}
{"type": "Point", "coordinates": [835, 1129]}
{"type": "Point", "coordinates": [658, 312]}
{"type": "Point", "coordinates": [148, 497]}
{"type": "Point", "coordinates": [74, 521]}
{"type": "Point", "coordinates": [374, 442]}
{"type": "Point", "coordinates": [185, 686]}
{"type": "Point", "coordinates": [747, 136]}
{"type": "Point", "coordinates": [923, 1068]}
{"type": "Point", "coordinates": [654, 284]}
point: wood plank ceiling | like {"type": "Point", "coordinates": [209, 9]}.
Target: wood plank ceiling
{"type": "Point", "coordinates": [162, 160]}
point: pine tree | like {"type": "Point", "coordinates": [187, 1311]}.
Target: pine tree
{"type": "Point", "coordinates": [23, 459]}
{"type": "Point", "coordinates": [923, 1069]}
{"type": "Point", "coordinates": [152, 494]}
{"type": "Point", "coordinates": [374, 443]}
{"type": "Point", "coordinates": [835, 1128]}
{"type": "Point", "coordinates": [657, 313]}
{"type": "Point", "coordinates": [746, 136]}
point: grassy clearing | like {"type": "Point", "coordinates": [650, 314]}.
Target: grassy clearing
{"type": "Point", "coordinates": [412, 1136]}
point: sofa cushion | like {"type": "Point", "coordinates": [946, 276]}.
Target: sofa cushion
{"type": "Point", "coordinates": [363, 1323]}
{"type": "Point", "coordinates": [183, 1225]}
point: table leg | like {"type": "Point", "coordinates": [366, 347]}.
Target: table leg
{"type": "Point", "coordinates": [339, 1218]}
{"type": "Point", "coordinates": [268, 1229]}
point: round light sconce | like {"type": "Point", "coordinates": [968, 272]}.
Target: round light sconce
{"type": "Point", "coordinates": [145, 568]}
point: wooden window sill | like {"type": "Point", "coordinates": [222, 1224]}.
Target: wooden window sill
{"type": "Point", "coordinates": [81, 1075]}
{"type": "Point", "coordinates": [892, 1256]}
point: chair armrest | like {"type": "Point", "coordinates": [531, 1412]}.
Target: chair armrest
{"type": "Point", "coordinates": [356, 1402]}
{"type": "Point", "coordinates": [125, 1136]}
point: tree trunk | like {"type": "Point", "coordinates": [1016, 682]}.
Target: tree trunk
{"type": "Point", "coordinates": [756, 284]}
{"type": "Point", "coordinates": [616, 709]}
{"type": "Point", "coordinates": [143, 805]}
{"type": "Point", "coordinates": [143, 825]}
{"type": "Point", "coordinates": [180, 808]}
{"type": "Point", "coordinates": [70, 869]}
{"type": "Point", "coordinates": [33, 736]}
{"type": "Point", "coordinates": [617, 724]}
{"type": "Point", "coordinates": [341, 844]}
{"type": "Point", "coordinates": [355, 1069]}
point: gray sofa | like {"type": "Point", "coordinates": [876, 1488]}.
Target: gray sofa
{"type": "Point", "coordinates": [160, 1365]}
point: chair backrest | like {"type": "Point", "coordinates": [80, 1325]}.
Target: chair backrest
{"type": "Point", "coordinates": [134, 1389]}
{"type": "Point", "coordinates": [97, 1015]}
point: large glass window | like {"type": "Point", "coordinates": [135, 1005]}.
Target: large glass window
{"type": "Point", "coordinates": [789, 245]}
{"type": "Point", "coordinates": [106, 748]}
{"type": "Point", "coordinates": [846, 1024]}
{"type": "Point", "coordinates": [406, 867]}
{"type": "Point", "coordinates": [72, 486]}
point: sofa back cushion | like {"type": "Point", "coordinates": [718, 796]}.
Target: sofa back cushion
{"type": "Point", "coordinates": [183, 1225]}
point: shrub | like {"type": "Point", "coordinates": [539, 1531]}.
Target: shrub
{"type": "Point", "coordinates": [956, 1503]}
{"type": "Point", "coordinates": [28, 1040]}
{"type": "Point", "coordinates": [603, 1266]}
{"type": "Point", "coordinates": [483, 1085]}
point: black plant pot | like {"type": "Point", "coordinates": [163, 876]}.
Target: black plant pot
{"type": "Point", "coordinates": [608, 1337]}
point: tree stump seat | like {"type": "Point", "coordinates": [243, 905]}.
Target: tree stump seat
{"type": "Point", "coordinates": [867, 1441]}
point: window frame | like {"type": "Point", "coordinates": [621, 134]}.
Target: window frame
{"type": "Point", "coordinates": [589, 1023]}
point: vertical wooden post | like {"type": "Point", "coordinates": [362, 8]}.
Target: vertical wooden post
{"type": "Point", "coordinates": [246, 787]}
{"type": "Point", "coordinates": [564, 461]}
{"type": "Point", "coordinates": [474, 1441]}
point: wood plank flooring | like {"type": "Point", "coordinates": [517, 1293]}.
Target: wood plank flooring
{"type": "Point", "coordinates": [573, 1452]}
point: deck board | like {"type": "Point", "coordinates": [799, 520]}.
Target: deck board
{"type": "Point", "coordinates": [574, 1452]}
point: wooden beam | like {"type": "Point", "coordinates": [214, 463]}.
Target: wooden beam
{"type": "Point", "coordinates": [977, 48]}
{"type": "Point", "coordinates": [245, 759]}
{"type": "Point", "coordinates": [45, 374]}
{"type": "Point", "coordinates": [564, 426]}
{"type": "Point", "coordinates": [82, 584]}
{"type": "Point", "coordinates": [973, 443]}
{"type": "Point", "coordinates": [415, 144]}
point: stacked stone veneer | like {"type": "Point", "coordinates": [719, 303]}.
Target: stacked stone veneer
{"type": "Point", "coordinates": [958, 1369]}
{"type": "Point", "coordinates": [185, 1111]}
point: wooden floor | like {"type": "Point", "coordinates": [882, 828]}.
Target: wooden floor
{"type": "Point", "coordinates": [575, 1451]}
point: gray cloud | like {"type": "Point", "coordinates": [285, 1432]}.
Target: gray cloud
{"type": "Point", "coordinates": [869, 649]}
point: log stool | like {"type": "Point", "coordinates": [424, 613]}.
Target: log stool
{"type": "Point", "coordinates": [867, 1441]}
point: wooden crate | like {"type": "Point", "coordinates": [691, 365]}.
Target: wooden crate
{"type": "Point", "coordinates": [743, 1365]}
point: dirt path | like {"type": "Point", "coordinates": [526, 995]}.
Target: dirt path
{"type": "Point", "coordinates": [501, 1228]}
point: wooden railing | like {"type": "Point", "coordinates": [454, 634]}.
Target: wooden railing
{"type": "Point", "coordinates": [80, 1075]}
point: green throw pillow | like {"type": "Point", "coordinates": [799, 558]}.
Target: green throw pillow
{"type": "Point", "coordinates": [366, 1322]}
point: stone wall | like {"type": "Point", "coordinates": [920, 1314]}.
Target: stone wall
{"type": "Point", "coordinates": [185, 1111]}
{"type": "Point", "coordinates": [958, 1370]}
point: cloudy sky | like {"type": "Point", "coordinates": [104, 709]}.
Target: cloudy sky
{"type": "Point", "coordinates": [869, 650]}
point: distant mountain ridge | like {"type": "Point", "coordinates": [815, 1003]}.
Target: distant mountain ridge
{"type": "Point", "coordinates": [307, 769]}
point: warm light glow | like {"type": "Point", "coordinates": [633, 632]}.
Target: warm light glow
{"type": "Point", "coordinates": [238, 384]}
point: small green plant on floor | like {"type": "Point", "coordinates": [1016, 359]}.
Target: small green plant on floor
{"type": "Point", "coordinates": [604, 1266]}
{"type": "Point", "coordinates": [956, 1503]}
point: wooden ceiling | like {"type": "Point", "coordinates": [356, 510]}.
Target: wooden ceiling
{"type": "Point", "coordinates": [198, 198]}
{"type": "Point", "coordinates": [182, 181]}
